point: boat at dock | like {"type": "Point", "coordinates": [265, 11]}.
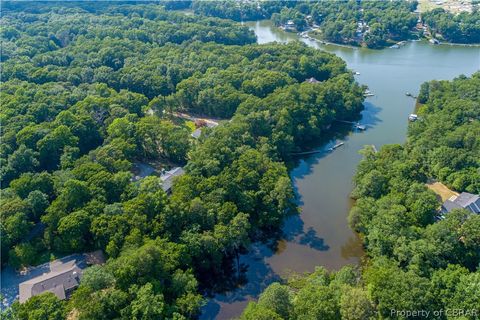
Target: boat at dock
{"type": "Point", "coordinates": [336, 146]}
{"type": "Point", "coordinates": [398, 45]}
{"type": "Point", "coordinates": [368, 93]}
{"type": "Point", "coordinates": [412, 117]}
{"type": "Point", "coordinates": [356, 125]}
{"type": "Point", "coordinates": [360, 127]}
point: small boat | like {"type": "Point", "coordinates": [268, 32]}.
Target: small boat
{"type": "Point", "coordinates": [368, 93]}
{"type": "Point", "coordinates": [336, 146]}
{"type": "Point", "coordinates": [412, 117]}
{"type": "Point", "coordinates": [434, 41]}
{"type": "Point", "coordinates": [408, 94]}
{"type": "Point", "coordinates": [360, 127]}
{"type": "Point", "coordinates": [395, 46]}
{"type": "Point", "coordinates": [356, 73]}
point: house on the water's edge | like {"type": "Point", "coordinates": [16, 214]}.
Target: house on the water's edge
{"type": "Point", "coordinates": [290, 26]}
{"type": "Point", "coordinates": [464, 200]}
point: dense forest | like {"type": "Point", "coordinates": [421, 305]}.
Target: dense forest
{"type": "Point", "coordinates": [88, 91]}
{"type": "Point", "coordinates": [417, 260]}
{"type": "Point", "coordinates": [240, 11]}
{"type": "Point", "coordinates": [374, 24]}
{"type": "Point", "coordinates": [457, 28]}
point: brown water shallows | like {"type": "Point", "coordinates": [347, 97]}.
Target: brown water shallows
{"type": "Point", "coordinates": [320, 235]}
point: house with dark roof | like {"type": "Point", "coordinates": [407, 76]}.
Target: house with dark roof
{"type": "Point", "coordinates": [60, 276]}
{"type": "Point", "coordinates": [61, 281]}
{"type": "Point", "coordinates": [168, 177]}
{"type": "Point", "coordinates": [464, 200]}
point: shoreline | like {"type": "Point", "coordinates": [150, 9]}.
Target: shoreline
{"type": "Point", "coordinates": [321, 41]}
{"type": "Point", "coordinates": [388, 47]}
{"type": "Point", "coordinates": [460, 44]}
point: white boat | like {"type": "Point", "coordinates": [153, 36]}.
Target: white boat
{"type": "Point", "coordinates": [360, 127]}
{"type": "Point", "coordinates": [336, 146]}
{"type": "Point", "coordinates": [368, 93]}
{"type": "Point", "coordinates": [412, 117]}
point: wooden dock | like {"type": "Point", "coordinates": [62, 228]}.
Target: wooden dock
{"type": "Point", "coordinates": [345, 121]}
{"type": "Point", "coordinates": [306, 152]}
{"type": "Point", "coordinates": [356, 125]}
{"type": "Point", "coordinates": [336, 146]}
{"type": "Point", "coordinates": [318, 150]}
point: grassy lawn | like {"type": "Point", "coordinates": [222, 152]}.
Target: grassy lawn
{"type": "Point", "coordinates": [441, 190]}
{"type": "Point", "coordinates": [182, 122]}
{"type": "Point", "coordinates": [190, 125]}
{"type": "Point", "coordinates": [426, 5]}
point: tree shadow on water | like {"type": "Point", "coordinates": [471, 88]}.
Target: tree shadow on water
{"type": "Point", "coordinates": [311, 239]}
{"type": "Point", "coordinates": [294, 232]}
{"type": "Point", "coordinates": [256, 274]}
{"type": "Point", "coordinates": [370, 114]}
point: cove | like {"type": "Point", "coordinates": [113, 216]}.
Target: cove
{"type": "Point", "coordinates": [319, 235]}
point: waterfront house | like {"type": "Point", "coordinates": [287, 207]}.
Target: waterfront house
{"type": "Point", "coordinates": [464, 200]}
{"type": "Point", "coordinates": [290, 26]}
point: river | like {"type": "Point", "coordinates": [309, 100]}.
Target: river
{"type": "Point", "coordinates": [320, 235]}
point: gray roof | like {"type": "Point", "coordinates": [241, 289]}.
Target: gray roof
{"type": "Point", "coordinates": [312, 80]}
{"type": "Point", "coordinates": [62, 278]}
{"type": "Point", "coordinates": [449, 205]}
{"type": "Point", "coordinates": [168, 177]}
{"type": "Point", "coordinates": [465, 200]}
{"type": "Point", "coordinates": [11, 278]}
{"type": "Point", "coordinates": [197, 133]}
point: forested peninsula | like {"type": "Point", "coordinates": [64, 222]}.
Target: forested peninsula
{"type": "Point", "coordinates": [418, 259]}
{"type": "Point", "coordinates": [89, 91]}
